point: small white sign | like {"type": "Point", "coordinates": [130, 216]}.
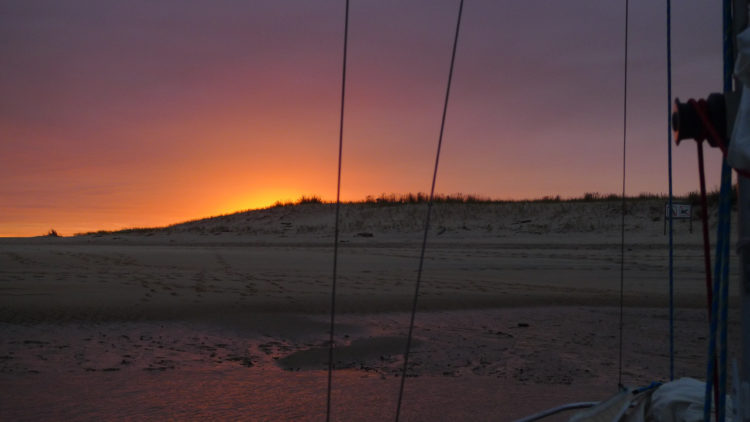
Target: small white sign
{"type": "Point", "coordinates": [678, 210]}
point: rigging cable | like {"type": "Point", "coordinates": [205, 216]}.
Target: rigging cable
{"type": "Point", "coordinates": [720, 305]}
{"type": "Point", "coordinates": [709, 132]}
{"type": "Point", "coordinates": [622, 224]}
{"type": "Point", "coordinates": [707, 264]}
{"type": "Point", "coordinates": [669, 160]}
{"type": "Point", "coordinates": [429, 212]}
{"type": "Point", "coordinates": [336, 223]}
{"type": "Point", "coordinates": [725, 198]}
{"type": "Point", "coordinates": [704, 220]}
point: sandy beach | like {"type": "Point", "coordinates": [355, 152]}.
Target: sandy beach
{"type": "Point", "coordinates": [228, 317]}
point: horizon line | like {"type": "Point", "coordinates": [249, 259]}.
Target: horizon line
{"type": "Point", "coordinates": [394, 199]}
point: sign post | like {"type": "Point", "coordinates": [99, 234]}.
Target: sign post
{"type": "Point", "coordinates": [679, 211]}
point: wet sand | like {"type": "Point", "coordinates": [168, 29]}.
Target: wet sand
{"type": "Point", "coordinates": [197, 322]}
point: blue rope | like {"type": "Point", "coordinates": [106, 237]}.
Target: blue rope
{"type": "Point", "coordinates": [726, 194]}
{"type": "Point", "coordinates": [711, 348]}
{"type": "Point", "coordinates": [669, 160]}
{"type": "Point", "coordinates": [654, 385]}
{"type": "Point", "coordinates": [726, 203]}
{"type": "Point", "coordinates": [720, 305]}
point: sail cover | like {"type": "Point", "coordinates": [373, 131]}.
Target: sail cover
{"type": "Point", "coordinates": [738, 155]}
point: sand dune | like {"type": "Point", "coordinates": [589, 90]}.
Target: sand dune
{"type": "Point", "coordinates": [517, 220]}
{"type": "Point", "coordinates": [521, 293]}
{"type": "Point", "coordinates": [280, 259]}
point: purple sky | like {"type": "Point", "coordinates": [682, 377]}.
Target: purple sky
{"type": "Point", "coordinates": [140, 113]}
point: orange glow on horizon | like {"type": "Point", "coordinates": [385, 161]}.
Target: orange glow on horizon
{"type": "Point", "coordinates": [207, 110]}
{"type": "Point", "coordinates": [259, 201]}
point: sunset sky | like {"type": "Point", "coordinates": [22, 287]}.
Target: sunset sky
{"type": "Point", "coordinates": [117, 114]}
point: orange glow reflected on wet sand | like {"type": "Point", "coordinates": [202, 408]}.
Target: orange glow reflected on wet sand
{"type": "Point", "coordinates": [273, 394]}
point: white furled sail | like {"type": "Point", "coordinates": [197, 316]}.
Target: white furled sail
{"type": "Point", "coordinates": [738, 155]}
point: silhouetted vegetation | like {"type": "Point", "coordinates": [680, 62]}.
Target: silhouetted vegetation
{"type": "Point", "coordinates": [460, 198]}
{"type": "Point", "coordinates": [129, 230]}
{"type": "Point", "coordinates": [393, 199]}
{"type": "Point", "coordinates": [417, 198]}
{"type": "Point", "coordinates": [313, 199]}
{"type": "Point", "coordinates": [53, 233]}
{"type": "Point", "coordinates": [712, 197]}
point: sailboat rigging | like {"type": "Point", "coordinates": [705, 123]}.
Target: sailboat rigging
{"type": "Point", "coordinates": [619, 405]}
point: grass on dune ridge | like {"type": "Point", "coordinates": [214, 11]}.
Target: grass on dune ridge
{"type": "Point", "coordinates": [460, 198]}
{"type": "Point", "coordinates": [393, 199]}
